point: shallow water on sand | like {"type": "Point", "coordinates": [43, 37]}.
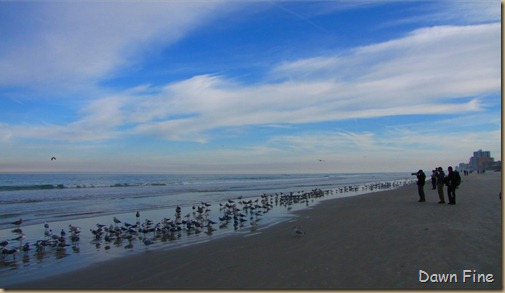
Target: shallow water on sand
{"type": "Point", "coordinates": [250, 203]}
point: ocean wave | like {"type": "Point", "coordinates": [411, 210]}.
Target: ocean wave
{"type": "Point", "coordinates": [31, 187]}
{"type": "Point", "coordinates": [64, 186]}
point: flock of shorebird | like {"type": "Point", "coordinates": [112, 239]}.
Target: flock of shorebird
{"type": "Point", "coordinates": [237, 212]}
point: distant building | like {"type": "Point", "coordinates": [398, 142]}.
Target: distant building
{"type": "Point", "coordinates": [482, 160]}
{"type": "Point", "coordinates": [496, 166]}
{"type": "Point", "coordinates": [462, 167]}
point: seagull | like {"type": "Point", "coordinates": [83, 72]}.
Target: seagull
{"type": "Point", "coordinates": [297, 232]}
{"type": "Point", "coordinates": [74, 238]}
{"type": "Point", "coordinates": [26, 247]}
{"type": "Point", "coordinates": [116, 220]}
{"type": "Point", "coordinates": [48, 233]}
{"type": "Point", "coordinates": [17, 231]}
{"type": "Point", "coordinates": [53, 158]}
{"type": "Point", "coordinates": [147, 242]}
{"type": "Point", "coordinates": [253, 226]}
{"type": "Point", "coordinates": [12, 252]}
{"type": "Point", "coordinates": [74, 229]}
{"type": "Point", "coordinates": [18, 222]}
{"type": "Point", "coordinates": [20, 238]}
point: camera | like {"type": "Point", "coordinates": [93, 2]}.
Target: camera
{"type": "Point", "coordinates": [415, 174]}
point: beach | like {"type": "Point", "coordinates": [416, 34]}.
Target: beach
{"type": "Point", "coordinates": [383, 240]}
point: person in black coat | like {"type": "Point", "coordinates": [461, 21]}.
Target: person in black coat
{"type": "Point", "coordinates": [434, 179]}
{"type": "Point", "coordinates": [440, 184]}
{"type": "Point", "coordinates": [452, 180]}
{"type": "Point", "coordinates": [421, 180]}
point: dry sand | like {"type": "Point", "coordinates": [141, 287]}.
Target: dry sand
{"type": "Point", "coordinates": [375, 241]}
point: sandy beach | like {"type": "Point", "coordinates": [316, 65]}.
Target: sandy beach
{"type": "Point", "coordinates": [384, 240]}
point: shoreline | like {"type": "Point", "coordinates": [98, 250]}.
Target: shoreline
{"type": "Point", "coordinates": [380, 240]}
{"type": "Point", "coordinates": [45, 263]}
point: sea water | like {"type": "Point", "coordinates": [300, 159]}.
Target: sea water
{"type": "Point", "coordinates": [88, 200]}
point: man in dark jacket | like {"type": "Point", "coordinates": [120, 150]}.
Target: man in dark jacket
{"type": "Point", "coordinates": [452, 181]}
{"type": "Point", "coordinates": [434, 179]}
{"type": "Point", "coordinates": [421, 179]}
{"type": "Point", "coordinates": [440, 184]}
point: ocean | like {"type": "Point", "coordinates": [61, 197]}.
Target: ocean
{"type": "Point", "coordinates": [173, 211]}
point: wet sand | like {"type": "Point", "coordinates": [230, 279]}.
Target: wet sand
{"type": "Point", "coordinates": [375, 241]}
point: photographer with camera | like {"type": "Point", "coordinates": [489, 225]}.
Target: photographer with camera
{"type": "Point", "coordinates": [434, 179]}
{"type": "Point", "coordinates": [421, 180]}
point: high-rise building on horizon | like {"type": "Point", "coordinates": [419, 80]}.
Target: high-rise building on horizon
{"type": "Point", "coordinates": [481, 160]}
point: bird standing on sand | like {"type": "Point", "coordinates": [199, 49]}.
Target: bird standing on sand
{"type": "Point", "coordinates": [26, 247]}
{"type": "Point", "coordinates": [20, 238]}
{"type": "Point", "coordinates": [17, 231]}
{"type": "Point", "coordinates": [297, 231]}
{"type": "Point", "coordinates": [137, 216]}
{"type": "Point", "coordinates": [147, 242]}
{"type": "Point", "coordinates": [116, 220]}
{"type": "Point", "coordinates": [18, 222]}
{"type": "Point", "coordinates": [12, 252]}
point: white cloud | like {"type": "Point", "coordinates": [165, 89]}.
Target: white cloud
{"type": "Point", "coordinates": [397, 150]}
{"type": "Point", "coordinates": [72, 43]}
{"type": "Point", "coordinates": [425, 72]}
{"type": "Point", "coordinates": [434, 70]}
{"type": "Point", "coordinates": [430, 63]}
{"type": "Point", "coordinates": [468, 11]}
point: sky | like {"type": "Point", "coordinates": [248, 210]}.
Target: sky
{"type": "Point", "coordinates": [248, 86]}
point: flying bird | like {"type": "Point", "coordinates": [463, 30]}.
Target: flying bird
{"type": "Point", "coordinates": [53, 158]}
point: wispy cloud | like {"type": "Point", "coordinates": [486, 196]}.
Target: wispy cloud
{"type": "Point", "coordinates": [456, 11]}
{"type": "Point", "coordinates": [74, 43]}
{"type": "Point", "coordinates": [341, 150]}
{"type": "Point", "coordinates": [72, 50]}
{"type": "Point", "coordinates": [429, 71]}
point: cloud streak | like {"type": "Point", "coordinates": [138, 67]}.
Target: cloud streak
{"type": "Point", "coordinates": [429, 71]}
{"type": "Point", "coordinates": [76, 43]}
{"type": "Point", "coordinates": [432, 71]}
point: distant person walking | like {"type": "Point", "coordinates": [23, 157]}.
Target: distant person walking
{"type": "Point", "coordinates": [421, 180]}
{"type": "Point", "coordinates": [452, 181]}
{"type": "Point", "coordinates": [440, 184]}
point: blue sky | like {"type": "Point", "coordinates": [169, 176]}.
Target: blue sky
{"type": "Point", "coordinates": [248, 86]}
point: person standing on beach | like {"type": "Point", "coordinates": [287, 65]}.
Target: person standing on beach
{"type": "Point", "coordinates": [421, 180]}
{"type": "Point", "coordinates": [452, 181]}
{"type": "Point", "coordinates": [440, 184]}
{"type": "Point", "coordinates": [433, 180]}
